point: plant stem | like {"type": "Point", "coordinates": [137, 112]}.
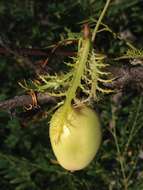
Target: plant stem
{"type": "Point", "coordinates": [132, 131]}
{"type": "Point", "coordinates": [78, 71]}
{"type": "Point", "coordinates": [119, 155]}
{"type": "Point", "coordinates": [100, 19]}
{"type": "Point", "coordinates": [121, 160]}
{"type": "Point", "coordinates": [76, 81]}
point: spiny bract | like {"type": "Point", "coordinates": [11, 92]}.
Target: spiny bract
{"type": "Point", "coordinates": [80, 137]}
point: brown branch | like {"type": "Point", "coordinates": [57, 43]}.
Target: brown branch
{"type": "Point", "coordinates": [132, 76]}
{"type": "Point", "coordinates": [35, 52]}
{"type": "Point", "coordinates": [125, 75]}
{"type": "Point", "coordinates": [25, 100]}
{"type": "Point", "coordinates": [22, 56]}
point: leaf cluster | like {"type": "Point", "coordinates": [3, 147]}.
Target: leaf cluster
{"type": "Point", "coordinates": [26, 160]}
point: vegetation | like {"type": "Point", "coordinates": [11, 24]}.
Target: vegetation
{"type": "Point", "coordinates": [84, 76]}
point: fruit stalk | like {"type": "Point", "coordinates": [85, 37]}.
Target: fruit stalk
{"type": "Point", "coordinates": [79, 70]}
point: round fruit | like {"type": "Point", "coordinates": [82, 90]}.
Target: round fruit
{"type": "Point", "coordinates": [79, 137]}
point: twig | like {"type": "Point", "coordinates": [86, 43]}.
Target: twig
{"type": "Point", "coordinates": [25, 100]}
{"type": "Point", "coordinates": [100, 19]}
{"type": "Point", "coordinates": [120, 158]}
{"type": "Point", "coordinates": [125, 75]}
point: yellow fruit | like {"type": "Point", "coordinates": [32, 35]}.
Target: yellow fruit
{"type": "Point", "coordinates": [80, 137]}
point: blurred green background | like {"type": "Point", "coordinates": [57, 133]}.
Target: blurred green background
{"type": "Point", "coordinates": [26, 158]}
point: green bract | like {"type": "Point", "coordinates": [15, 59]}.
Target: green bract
{"type": "Point", "coordinates": [79, 137]}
